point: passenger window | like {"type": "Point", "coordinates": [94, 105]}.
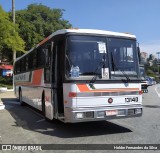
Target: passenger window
{"type": "Point", "coordinates": [47, 69]}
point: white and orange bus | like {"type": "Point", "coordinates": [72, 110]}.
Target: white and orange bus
{"type": "Point", "coordinates": [78, 75]}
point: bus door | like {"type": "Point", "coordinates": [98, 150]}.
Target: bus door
{"type": "Point", "coordinates": [57, 78]}
{"type": "Point", "coordinates": [47, 104]}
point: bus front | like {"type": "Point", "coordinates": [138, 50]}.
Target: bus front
{"type": "Point", "coordinates": [102, 79]}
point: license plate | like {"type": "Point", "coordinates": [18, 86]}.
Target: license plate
{"type": "Point", "coordinates": [111, 112]}
{"type": "Point", "coordinates": [131, 99]}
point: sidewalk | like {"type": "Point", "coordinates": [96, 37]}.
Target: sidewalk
{"type": "Point", "coordinates": [6, 94]}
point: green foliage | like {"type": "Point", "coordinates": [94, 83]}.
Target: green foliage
{"type": "Point", "coordinates": [151, 67]}
{"type": "Point", "coordinates": [39, 21]}
{"type": "Point", "coordinates": [152, 71]}
{"type": "Point", "coordinates": [32, 25]}
{"type": "Point", "coordinates": [154, 68]}
{"type": "Point", "coordinates": [9, 37]}
{"type": "Point", "coordinates": [6, 82]}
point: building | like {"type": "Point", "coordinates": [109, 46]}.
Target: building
{"type": "Point", "coordinates": [6, 70]}
{"type": "Point", "coordinates": [144, 57]}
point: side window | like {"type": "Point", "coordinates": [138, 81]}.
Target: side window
{"type": "Point", "coordinates": [35, 59]}
{"type": "Point", "coordinates": [23, 66]}
{"type": "Point", "coordinates": [30, 63]}
{"type": "Point", "coordinates": [40, 57]}
{"type": "Point", "coordinates": [48, 56]}
{"type": "Point", "coordinates": [27, 63]}
{"type": "Point", "coordinates": [18, 67]}
{"type": "Point", "coordinates": [47, 69]}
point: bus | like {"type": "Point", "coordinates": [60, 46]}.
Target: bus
{"type": "Point", "coordinates": [81, 75]}
{"type": "Point", "coordinates": [144, 82]}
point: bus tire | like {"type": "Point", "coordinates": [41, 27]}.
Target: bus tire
{"type": "Point", "coordinates": [20, 98]}
{"type": "Point", "coordinates": [43, 106]}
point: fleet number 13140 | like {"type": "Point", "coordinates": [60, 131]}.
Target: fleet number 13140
{"type": "Point", "coordinates": [134, 99]}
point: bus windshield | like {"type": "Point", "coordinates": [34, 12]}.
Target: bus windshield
{"type": "Point", "coordinates": [123, 57]}
{"type": "Point", "coordinates": [105, 58]}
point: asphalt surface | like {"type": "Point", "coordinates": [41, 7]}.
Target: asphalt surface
{"type": "Point", "coordinates": [22, 125]}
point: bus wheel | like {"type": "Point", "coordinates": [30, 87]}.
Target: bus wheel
{"type": "Point", "coordinates": [20, 98]}
{"type": "Point", "coordinates": [43, 107]}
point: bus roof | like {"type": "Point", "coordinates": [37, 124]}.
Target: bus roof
{"type": "Point", "coordinates": [92, 31]}
{"type": "Point", "coordinates": [83, 31]}
{"type": "Point", "coordinates": [87, 31]}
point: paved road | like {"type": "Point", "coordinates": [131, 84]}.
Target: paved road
{"type": "Point", "coordinates": [22, 125]}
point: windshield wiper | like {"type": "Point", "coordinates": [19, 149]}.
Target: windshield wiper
{"type": "Point", "coordinates": [115, 66]}
{"type": "Point", "coordinates": [100, 65]}
{"type": "Point", "coordinates": [96, 73]}
{"type": "Point", "coordinates": [69, 62]}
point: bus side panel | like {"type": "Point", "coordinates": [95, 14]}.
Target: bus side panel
{"type": "Point", "coordinates": [32, 86]}
{"type": "Point", "coordinates": [32, 96]}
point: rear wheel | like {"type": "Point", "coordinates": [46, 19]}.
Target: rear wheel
{"type": "Point", "coordinates": [20, 98]}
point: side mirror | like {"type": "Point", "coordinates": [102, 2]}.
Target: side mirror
{"type": "Point", "coordinates": [139, 54]}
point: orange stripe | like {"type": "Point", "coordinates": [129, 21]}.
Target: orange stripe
{"type": "Point", "coordinates": [36, 79]}
{"type": "Point", "coordinates": [43, 41]}
{"type": "Point", "coordinates": [37, 75]}
{"type": "Point", "coordinates": [83, 88]}
{"type": "Point", "coordinates": [118, 89]}
{"type": "Point", "coordinates": [110, 90]}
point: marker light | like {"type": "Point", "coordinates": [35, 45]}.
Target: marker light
{"type": "Point", "coordinates": [110, 100]}
{"type": "Point", "coordinates": [72, 94]}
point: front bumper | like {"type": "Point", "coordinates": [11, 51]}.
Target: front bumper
{"type": "Point", "coordinates": [101, 113]}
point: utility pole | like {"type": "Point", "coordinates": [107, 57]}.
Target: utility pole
{"type": "Point", "coordinates": [13, 17]}
{"type": "Point", "coordinates": [14, 51]}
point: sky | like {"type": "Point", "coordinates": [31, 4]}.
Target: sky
{"type": "Point", "coordinates": [138, 17]}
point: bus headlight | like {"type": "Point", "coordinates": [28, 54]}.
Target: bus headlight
{"type": "Point", "coordinates": [79, 115]}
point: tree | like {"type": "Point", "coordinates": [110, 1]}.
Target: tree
{"type": "Point", "coordinates": [39, 21]}
{"type": "Point", "coordinates": [9, 37]}
{"type": "Point", "coordinates": [151, 57]}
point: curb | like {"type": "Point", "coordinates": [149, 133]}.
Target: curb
{"type": "Point", "coordinates": [10, 89]}
{"type": "Point", "coordinates": [1, 105]}
{"type": "Point", "coordinates": [3, 89]}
